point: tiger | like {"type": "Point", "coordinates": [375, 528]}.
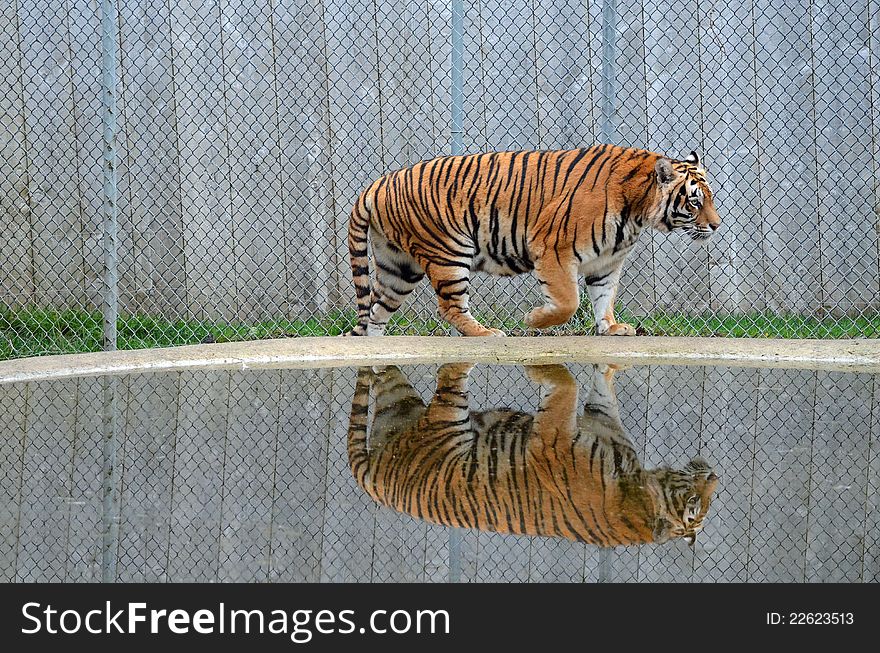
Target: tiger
{"type": "Point", "coordinates": [559, 213]}
{"type": "Point", "coordinates": [551, 474]}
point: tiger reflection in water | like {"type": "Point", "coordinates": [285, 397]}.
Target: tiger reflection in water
{"type": "Point", "coordinates": [553, 473]}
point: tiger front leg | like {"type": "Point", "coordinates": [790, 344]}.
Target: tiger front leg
{"type": "Point", "coordinates": [557, 418]}
{"type": "Point", "coordinates": [602, 396]}
{"type": "Point", "coordinates": [603, 291]}
{"type": "Point", "coordinates": [559, 283]}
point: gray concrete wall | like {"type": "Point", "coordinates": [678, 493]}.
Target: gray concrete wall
{"type": "Point", "coordinates": [247, 131]}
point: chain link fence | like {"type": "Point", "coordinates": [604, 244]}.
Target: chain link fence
{"type": "Point", "coordinates": [246, 130]}
{"type": "Point", "coordinates": [247, 476]}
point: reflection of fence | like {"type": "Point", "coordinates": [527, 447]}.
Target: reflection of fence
{"type": "Point", "coordinates": [246, 131]}
{"type": "Point", "coordinates": [245, 476]}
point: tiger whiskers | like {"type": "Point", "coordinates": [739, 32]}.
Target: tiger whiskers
{"type": "Point", "coordinates": [698, 235]}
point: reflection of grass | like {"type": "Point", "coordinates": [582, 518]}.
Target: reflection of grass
{"type": "Point", "coordinates": [33, 332]}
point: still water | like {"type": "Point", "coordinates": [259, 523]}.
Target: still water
{"type": "Point", "coordinates": [445, 473]}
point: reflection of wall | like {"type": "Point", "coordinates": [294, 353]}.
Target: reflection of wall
{"type": "Point", "coordinates": [244, 476]}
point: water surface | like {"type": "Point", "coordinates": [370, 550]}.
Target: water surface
{"type": "Point", "coordinates": [318, 475]}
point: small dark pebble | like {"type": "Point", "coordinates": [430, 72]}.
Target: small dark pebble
{"type": "Point", "coordinates": [208, 339]}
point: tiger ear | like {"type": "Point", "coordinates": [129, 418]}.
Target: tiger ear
{"type": "Point", "coordinates": [694, 159]}
{"type": "Point", "coordinates": [666, 174]}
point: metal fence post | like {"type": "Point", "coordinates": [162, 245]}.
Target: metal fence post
{"type": "Point", "coordinates": [457, 75]}
{"type": "Point", "coordinates": [457, 117]}
{"type": "Point", "coordinates": [110, 208]}
{"type": "Point", "coordinates": [457, 147]}
{"type": "Point", "coordinates": [110, 480]}
{"type": "Point", "coordinates": [110, 512]}
{"type": "Point", "coordinates": [607, 126]}
{"type": "Point", "coordinates": [604, 565]}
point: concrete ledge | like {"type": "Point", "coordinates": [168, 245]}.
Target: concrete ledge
{"type": "Point", "coordinates": [840, 355]}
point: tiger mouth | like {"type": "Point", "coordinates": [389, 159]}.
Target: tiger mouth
{"type": "Point", "coordinates": [699, 234]}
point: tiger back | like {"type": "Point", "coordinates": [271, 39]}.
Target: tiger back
{"type": "Point", "coordinates": [555, 473]}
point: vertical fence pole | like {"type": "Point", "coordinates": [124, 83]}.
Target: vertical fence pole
{"type": "Point", "coordinates": [457, 147]}
{"type": "Point", "coordinates": [607, 126]}
{"type": "Point", "coordinates": [454, 554]}
{"type": "Point", "coordinates": [607, 121]}
{"type": "Point", "coordinates": [110, 481]}
{"type": "Point", "coordinates": [604, 565]}
{"type": "Point", "coordinates": [108, 75]}
{"type": "Point", "coordinates": [110, 517]}
{"type": "Point", "coordinates": [457, 76]}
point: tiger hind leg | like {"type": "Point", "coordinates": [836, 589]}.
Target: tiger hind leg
{"type": "Point", "coordinates": [449, 404]}
{"type": "Point", "coordinates": [397, 274]}
{"type": "Point", "coordinates": [398, 406]}
{"type": "Point", "coordinates": [452, 284]}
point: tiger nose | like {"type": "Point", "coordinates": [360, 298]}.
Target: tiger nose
{"type": "Point", "coordinates": [714, 225]}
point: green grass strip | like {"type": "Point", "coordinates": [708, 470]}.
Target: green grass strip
{"type": "Point", "coordinates": [38, 332]}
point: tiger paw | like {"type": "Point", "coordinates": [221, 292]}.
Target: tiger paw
{"type": "Point", "coordinates": [606, 368]}
{"type": "Point", "coordinates": [548, 374]}
{"type": "Point", "coordinates": [542, 318]}
{"type": "Point", "coordinates": [453, 373]}
{"type": "Point", "coordinates": [477, 330]}
{"type": "Point", "coordinates": [619, 329]}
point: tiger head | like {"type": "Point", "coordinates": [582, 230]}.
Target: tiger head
{"type": "Point", "coordinates": [685, 200]}
{"type": "Point", "coordinates": [682, 500]}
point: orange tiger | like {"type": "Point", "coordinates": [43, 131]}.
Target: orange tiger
{"type": "Point", "coordinates": [561, 213]}
{"type": "Point", "coordinates": [553, 473]}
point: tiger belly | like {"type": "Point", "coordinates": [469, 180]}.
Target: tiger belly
{"type": "Point", "coordinates": [500, 267]}
{"type": "Point", "coordinates": [597, 268]}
